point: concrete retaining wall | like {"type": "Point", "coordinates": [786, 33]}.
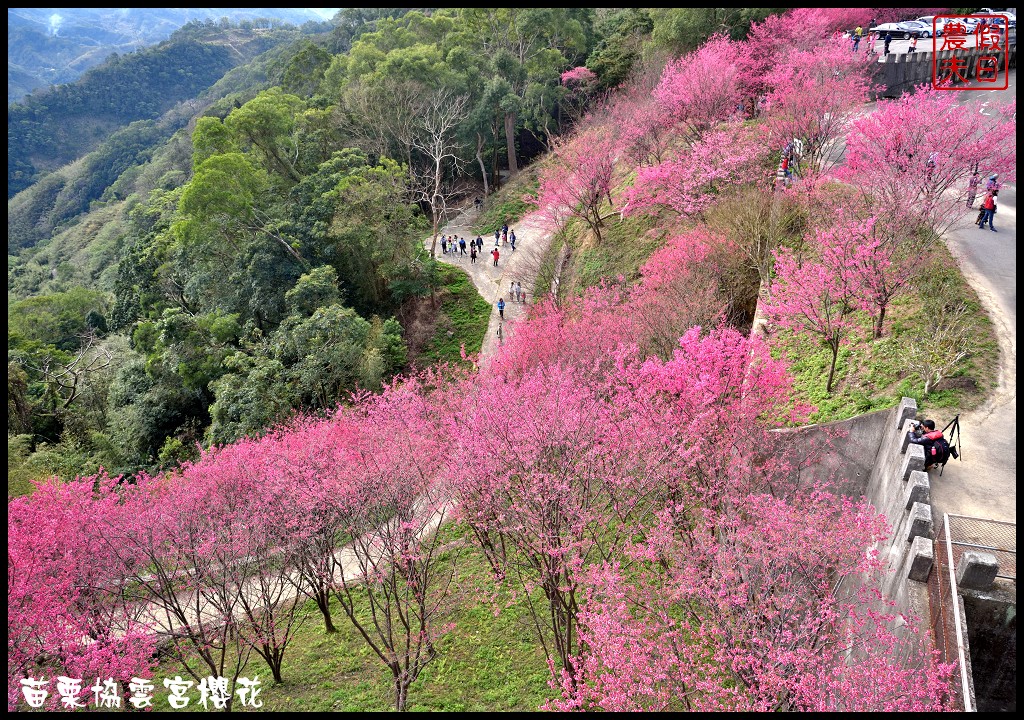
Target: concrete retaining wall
{"type": "Point", "coordinates": [867, 456]}
{"type": "Point", "coordinates": [900, 73]}
{"type": "Point", "coordinates": [842, 452]}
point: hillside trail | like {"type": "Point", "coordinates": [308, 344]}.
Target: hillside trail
{"type": "Point", "coordinates": [521, 265]}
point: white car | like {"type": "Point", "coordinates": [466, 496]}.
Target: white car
{"type": "Point", "coordinates": [938, 24]}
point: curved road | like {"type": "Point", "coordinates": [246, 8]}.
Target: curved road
{"type": "Point", "coordinates": [985, 483]}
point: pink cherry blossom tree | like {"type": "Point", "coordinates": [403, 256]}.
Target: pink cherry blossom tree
{"type": "Point", "coordinates": [731, 156]}
{"type": "Point", "coordinates": [811, 297]}
{"type": "Point", "coordinates": [754, 615]}
{"type": "Point", "coordinates": [680, 288]}
{"type": "Point", "coordinates": [580, 84]}
{"type": "Point", "coordinates": [700, 89]}
{"type": "Point", "coordinates": [812, 98]}
{"type": "Point", "coordinates": [390, 501]}
{"type": "Point", "coordinates": [70, 611]}
{"type": "Point", "coordinates": [876, 262]}
{"type": "Point", "coordinates": [577, 181]}
{"type": "Point", "coordinates": [914, 156]}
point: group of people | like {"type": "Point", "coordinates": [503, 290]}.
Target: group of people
{"type": "Point", "coordinates": [505, 236]}
{"type": "Point", "coordinates": [515, 290]}
{"type": "Point", "coordinates": [988, 202]}
{"type": "Point", "coordinates": [857, 34]}
{"type": "Point", "coordinates": [455, 245]}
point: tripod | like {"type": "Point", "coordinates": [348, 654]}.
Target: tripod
{"type": "Point", "coordinates": [955, 431]}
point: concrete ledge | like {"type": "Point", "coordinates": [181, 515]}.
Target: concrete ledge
{"type": "Point", "coordinates": [920, 522]}
{"type": "Point", "coordinates": [906, 410]}
{"type": "Point", "coordinates": [918, 489]}
{"type": "Point", "coordinates": [977, 570]}
{"type": "Point", "coordinates": [913, 461]}
{"type": "Point", "coordinates": [922, 558]}
{"type": "Point", "coordinates": [905, 436]}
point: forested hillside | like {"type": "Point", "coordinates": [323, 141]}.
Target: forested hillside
{"type": "Point", "coordinates": [260, 259]}
{"type": "Point", "coordinates": [51, 129]}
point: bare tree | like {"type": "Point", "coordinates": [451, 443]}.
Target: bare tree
{"type": "Point", "coordinates": [758, 222]}
{"type": "Point", "coordinates": [437, 143]}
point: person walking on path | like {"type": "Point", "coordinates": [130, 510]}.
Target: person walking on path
{"type": "Point", "coordinates": [501, 308]}
{"type": "Point", "coordinates": [988, 207]}
{"type": "Point", "coordinates": [511, 291]}
{"type": "Point", "coordinates": [444, 245]}
{"type": "Point", "coordinates": [519, 291]}
{"type": "Point", "coordinates": [497, 237]}
{"type": "Point", "coordinates": [857, 35]}
{"type": "Point", "coordinates": [504, 239]}
{"type": "Point", "coordinates": [479, 243]}
{"type": "Point", "coordinates": [512, 239]}
{"type": "Point", "coordinates": [913, 44]}
{"type": "Point", "coordinates": [517, 294]}
{"type": "Point", "coordinates": [462, 245]}
{"type": "Point", "coordinates": [888, 39]}
{"type": "Point", "coordinates": [972, 189]}
{"type": "Point", "coordinates": [472, 255]}
{"type": "Point", "coordinates": [495, 254]}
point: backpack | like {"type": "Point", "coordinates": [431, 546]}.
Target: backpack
{"type": "Point", "coordinates": [938, 453]}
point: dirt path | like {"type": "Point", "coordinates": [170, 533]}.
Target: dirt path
{"type": "Point", "coordinates": [532, 241]}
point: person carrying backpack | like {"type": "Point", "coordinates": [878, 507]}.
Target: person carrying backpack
{"type": "Point", "coordinates": [936, 447]}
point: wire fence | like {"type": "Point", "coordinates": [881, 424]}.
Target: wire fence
{"type": "Point", "coordinates": [956, 535]}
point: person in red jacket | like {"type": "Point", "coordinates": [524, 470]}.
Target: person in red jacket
{"type": "Point", "coordinates": [988, 211]}
{"type": "Point", "coordinates": [936, 449]}
{"type": "Point", "coordinates": [495, 254]}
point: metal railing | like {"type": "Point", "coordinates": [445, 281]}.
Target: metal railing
{"type": "Point", "coordinates": [957, 535]}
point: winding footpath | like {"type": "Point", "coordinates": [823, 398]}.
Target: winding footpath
{"type": "Point", "coordinates": [532, 242]}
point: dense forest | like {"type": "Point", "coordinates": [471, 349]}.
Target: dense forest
{"type": "Point", "coordinates": [231, 246]}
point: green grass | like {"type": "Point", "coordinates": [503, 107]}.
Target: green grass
{"type": "Point", "coordinates": [488, 662]}
{"type": "Point", "coordinates": [462, 318]}
{"type": "Point", "coordinates": [624, 248]}
{"type": "Point", "coordinates": [872, 374]}
{"type": "Point", "coordinates": [507, 205]}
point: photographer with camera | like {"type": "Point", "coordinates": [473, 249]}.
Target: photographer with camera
{"type": "Point", "coordinates": [936, 448]}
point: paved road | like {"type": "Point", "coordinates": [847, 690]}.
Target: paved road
{"type": "Point", "coordinates": [985, 483]}
{"type": "Point", "coordinates": [900, 47]}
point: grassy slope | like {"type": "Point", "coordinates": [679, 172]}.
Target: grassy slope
{"type": "Point", "coordinates": [507, 205]}
{"type": "Point", "coordinates": [462, 319]}
{"type": "Point", "coordinates": [874, 374]}
{"type": "Point", "coordinates": [490, 661]}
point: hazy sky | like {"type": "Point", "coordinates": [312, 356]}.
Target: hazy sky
{"type": "Point", "coordinates": [325, 13]}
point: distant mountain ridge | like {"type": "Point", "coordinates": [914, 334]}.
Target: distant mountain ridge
{"type": "Point", "coordinates": [47, 46]}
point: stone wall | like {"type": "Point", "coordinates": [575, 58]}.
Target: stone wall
{"type": "Point", "coordinates": [901, 73]}
{"type": "Point", "coordinates": [868, 456]}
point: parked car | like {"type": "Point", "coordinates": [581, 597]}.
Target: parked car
{"type": "Point", "coordinates": [938, 24]}
{"type": "Point", "coordinates": [899, 30]}
{"type": "Point", "coordinates": [915, 28]}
